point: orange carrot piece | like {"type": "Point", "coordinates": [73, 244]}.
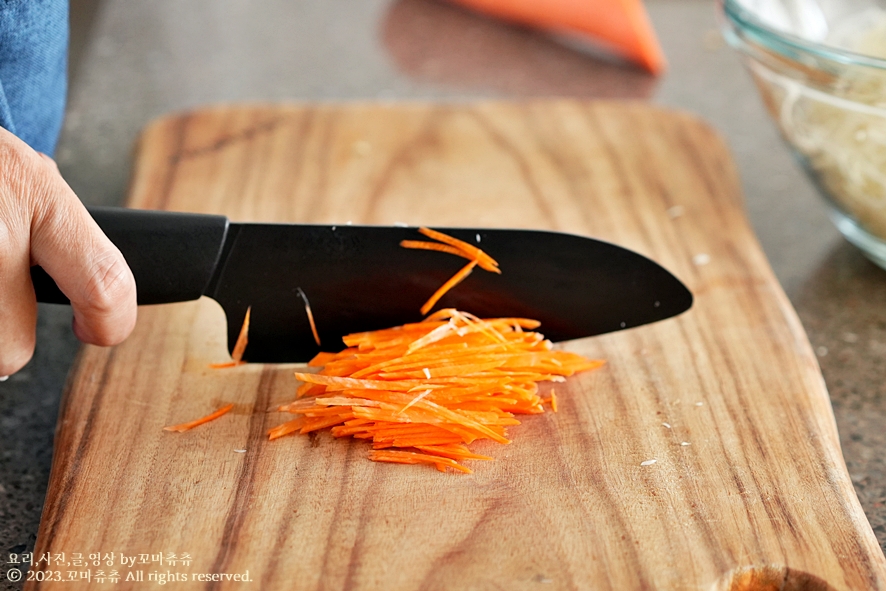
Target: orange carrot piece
{"type": "Point", "coordinates": [485, 263]}
{"type": "Point", "coordinates": [242, 338]}
{"type": "Point", "coordinates": [322, 358]}
{"type": "Point", "coordinates": [623, 27]}
{"type": "Point", "coordinates": [408, 457]}
{"type": "Point", "coordinates": [286, 428]}
{"type": "Point", "coordinates": [472, 251]}
{"type": "Point", "coordinates": [310, 316]}
{"type": "Point", "coordinates": [452, 282]}
{"type": "Point", "coordinates": [239, 346]}
{"type": "Point", "coordinates": [456, 452]}
{"type": "Point", "coordinates": [195, 423]}
{"type": "Point", "coordinates": [225, 364]}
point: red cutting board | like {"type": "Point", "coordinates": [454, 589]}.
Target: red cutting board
{"type": "Point", "coordinates": [748, 491]}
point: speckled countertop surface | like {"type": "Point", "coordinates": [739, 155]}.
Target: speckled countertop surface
{"type": "Point", "coordinates": [132, 61]}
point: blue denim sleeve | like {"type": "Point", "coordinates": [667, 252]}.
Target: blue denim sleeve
{"type": "Point", "coordinates": [33, 69]}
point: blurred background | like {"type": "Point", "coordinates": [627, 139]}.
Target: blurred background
{"type": "Point", "coordinates": [132, 61]}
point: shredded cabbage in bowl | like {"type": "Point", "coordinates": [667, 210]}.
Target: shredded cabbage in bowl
{"type": "Point", "coordinates": [839, 128]}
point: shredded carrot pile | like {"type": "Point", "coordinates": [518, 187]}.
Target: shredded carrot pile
{"type": "Point", "coordinates": [421, 392]}
{"type": "Point", "coordinates": [450, 245]}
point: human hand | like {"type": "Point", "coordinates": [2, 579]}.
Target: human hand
{"type": "Point", "coordinates": [42, 222]}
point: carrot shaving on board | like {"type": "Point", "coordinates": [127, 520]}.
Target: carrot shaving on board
{"type": "Point", "coordinates": [196, 423]}
{"type": "Point", "coordinates": [239, 346]}
{"type": "Point", "coordinates": [310, 316]}
{"type": "Point", "coordinates": [466, 380]}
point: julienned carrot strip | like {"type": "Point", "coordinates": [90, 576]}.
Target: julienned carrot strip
{"type": "Point", "coordinates": [472, 251]}
{"type": "Point", "coordinates": [310, 316]}
{"type": "Point", "coordinates": [451, 245]}
{"type": "Point", "coordinates": [225, 364]}
{"type": "Point", "coordinates": [242, 338]}
{"type": "Point", "coordinates": [486, 263]}
{"type": "Point", "coordinates": [452, 282]}
{"type": "Point", "coordinates": [454, 451]}
{"type": "Point", "coordinates": [408, 457]}
{"type": "Point", "coordinates": [239, 346]}
{"type": "Point", "coordinates": [421, 392]}
{"type": "Point", "coordinates": [553, 401]}
{"type": "Point", "coordinates": [210, 417]}
{"type": "Point", "coordinates": [322, 358]}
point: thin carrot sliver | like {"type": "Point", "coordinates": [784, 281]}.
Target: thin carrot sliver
{"type": "Point", "coordinates": [225, 364]}
{"type": "Point", "coordinates": [242, 338]}
{"type": "Point", "coordinates": [310, 316]}
{"type": "Point", "coordinates": [406, 457]}
{"type": "Point", "coordinates": [452, 282]}
{"type": "Point", "coordinates": [485, 263]}
{"type": "Point", "coordinates": [451, 245]}
{"type": "Point", "coordinates": [239, 346]}
{"type": "Point", "coordinates": [196, 423]}
{"type": "Point", "coordinates": [473, 252]}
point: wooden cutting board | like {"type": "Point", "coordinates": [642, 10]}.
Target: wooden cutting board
{"type": "Point", "coordinates": [748, 490]}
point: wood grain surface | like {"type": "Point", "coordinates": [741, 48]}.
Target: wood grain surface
{"type": "Point", "coordinates": [749, 490]}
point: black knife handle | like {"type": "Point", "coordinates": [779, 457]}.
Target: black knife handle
{"type": "Point", "coordinates": [172, 255]}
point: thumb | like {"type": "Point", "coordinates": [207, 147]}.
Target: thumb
{"type": "Point", "coordinates": [85, 265]}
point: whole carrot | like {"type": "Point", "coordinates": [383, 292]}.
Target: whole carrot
{"type": "Point", "coordinates": [620, 25]}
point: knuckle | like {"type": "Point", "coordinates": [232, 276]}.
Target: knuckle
{"type": "Point", "coordinates": [109, 286]}
{"type": "Point", "coordinates": [19, 165]}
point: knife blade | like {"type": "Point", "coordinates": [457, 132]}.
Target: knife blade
{"type": "Point", "coordinates": [359, 278]}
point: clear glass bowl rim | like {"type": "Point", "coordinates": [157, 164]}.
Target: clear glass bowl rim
{"type": "Point", "coordinates": [746, 22]}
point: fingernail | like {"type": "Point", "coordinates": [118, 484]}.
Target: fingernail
{"type": "Point", "coordinates": [3, 378]}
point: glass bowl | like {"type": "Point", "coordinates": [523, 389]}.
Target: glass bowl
{"type": "Point", "coordinates": [819, 66]}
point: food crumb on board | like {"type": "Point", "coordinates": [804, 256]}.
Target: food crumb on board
{"type": "Point", "coordinates": [362, 148]}
{"type": "Point", "coordinates": [685, 443]}
{"type": "Point", "coordinates": [239, 451]}
{"type": "Point", "coordinates": [675, 211]}
{"type": "Point", "coordinates": [666, 425]}
{"type": "Point", "coordinates": [701, 258]}
{"type": "Point", "coordinates": [699, 404]}
{"type": "Point", "coordinates": [648, 462]}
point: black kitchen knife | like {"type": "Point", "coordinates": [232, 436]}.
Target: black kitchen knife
{"type": "Point", "coordinates": [359, 278]}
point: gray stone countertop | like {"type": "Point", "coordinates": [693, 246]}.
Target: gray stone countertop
{"type": "Point", "coordinates": [133, 61]}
